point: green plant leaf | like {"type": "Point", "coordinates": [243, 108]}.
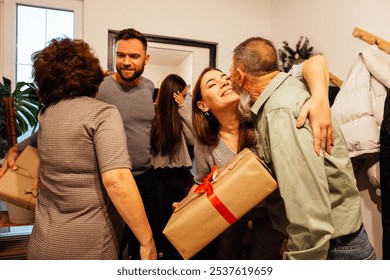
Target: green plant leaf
{"type": "Point", "coordinates": [27, 115]}
{"type": "Point", "coordinates": [7, 83]}
{"type": "Point", "coordinates": [5, 88]}
{"type": "Point", "coordinates": [3, 148]}
{"type": "Point", "coordinates": [26, 104]}
{"type": "Point", "coordinates": [21, 124]}
{"type": "Point", "coordinates": [29, 102]}
{"type": "Point", "coordinates": [19, 85]}
{"type": "Point", "coordinates": [32, 109]}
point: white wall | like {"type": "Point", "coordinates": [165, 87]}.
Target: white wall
{"type": "Point", "coordinates": [186, 69]}
{"type": "Point", "coordinates": [226, 22]}
{"type": "Point", "coordinates": [189, 69]}
{"type": "Point", "coordinates": [329, 25]}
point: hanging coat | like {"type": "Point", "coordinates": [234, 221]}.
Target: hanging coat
{"type": "Point", "coordinates": [359, 105]}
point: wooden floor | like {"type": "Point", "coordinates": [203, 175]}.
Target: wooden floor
{"type": "Point", "coordinates": [14, 247]}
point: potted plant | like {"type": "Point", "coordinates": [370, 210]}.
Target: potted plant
{"type": "Point", "coordinates": [18, 110]}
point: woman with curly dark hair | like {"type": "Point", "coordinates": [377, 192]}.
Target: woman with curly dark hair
{"type": "Point", "coordinates": [86, 189]}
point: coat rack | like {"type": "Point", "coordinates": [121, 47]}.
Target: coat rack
{"type": "Point", "coordinates": [372, 39]}
{"type": "Point", "coordinates": [335, 80]}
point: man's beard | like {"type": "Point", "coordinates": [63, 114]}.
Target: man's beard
{"type": "Point", "coordinates": [244, 107]}
{"type": "Point", "coordinates": [136, 74]}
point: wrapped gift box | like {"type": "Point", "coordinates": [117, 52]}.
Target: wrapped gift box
{"type": "Point", "coordinates": [224, 196]}
{"type": "Point", "coordinates": [20, 187]}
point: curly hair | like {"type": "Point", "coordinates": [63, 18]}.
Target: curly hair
{"type": "Point", "coordinates": [66, 69]}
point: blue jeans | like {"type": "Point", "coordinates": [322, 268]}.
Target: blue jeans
{"type": "Point", "coordinates": [354, 246]}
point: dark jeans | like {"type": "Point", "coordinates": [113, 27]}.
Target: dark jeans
{"type": "Point", "coordinates": [354, 246]}
{"type": "Point", "coordinates": [151, 197]}
{"type": "Point", "coordinates": [264, 242]}
{"type": "Point", "coordinates": [230, 241]}
{"type": "Point", "coordinates": [173, 183]}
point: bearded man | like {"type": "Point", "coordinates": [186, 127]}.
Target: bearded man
{"type": "Point", "coordinates": [132, 94]}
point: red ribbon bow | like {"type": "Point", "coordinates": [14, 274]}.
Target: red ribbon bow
{"type": "Point", "coordinates": [206, 187]}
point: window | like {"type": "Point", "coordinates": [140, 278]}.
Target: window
{"type": "Point", "coordinates": [27, 26]}
{"type": "Point", "coordinates": [33, 35]}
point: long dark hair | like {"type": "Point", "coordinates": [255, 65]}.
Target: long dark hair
{"type": "Point", "coordinates": [166, 128]}
{"type": "Point", "coordinates": [206, 126]}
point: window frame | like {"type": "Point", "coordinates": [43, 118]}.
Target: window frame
{"type": "Point", "coordinates": [8, 21]}
{"type": "Point", "coordinates": [8, 28]}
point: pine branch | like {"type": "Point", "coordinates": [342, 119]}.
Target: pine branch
{"type": "Point", "coordinates": [288, 57]}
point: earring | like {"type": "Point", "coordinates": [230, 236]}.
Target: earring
{"type": "Point", "coordinates": [206, 114]}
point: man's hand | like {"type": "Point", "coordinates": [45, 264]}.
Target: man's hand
{"type": "Point", "coordinates": [10, 160]}
{"type": "Point", "coordinates": [107, 72]}
{"type": "Point", "coordinates": [321, 122]}
{"type": "Point", "coordinates": [317, 109]}
{"type": "Point", "coordinates": [148, 251]}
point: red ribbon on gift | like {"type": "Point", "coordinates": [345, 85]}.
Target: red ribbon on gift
{"type": "Point", "coordinates": [206, 187]}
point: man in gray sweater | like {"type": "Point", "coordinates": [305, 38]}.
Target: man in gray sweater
{"type": "Point", "coordinates": [132, 94]}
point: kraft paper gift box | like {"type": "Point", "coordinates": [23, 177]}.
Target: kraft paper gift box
{"type": "Point", "coordinates": [220, 200]}
{"type": "Point", "coordinates": [20, 187]}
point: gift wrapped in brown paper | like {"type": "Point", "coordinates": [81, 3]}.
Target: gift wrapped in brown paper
{"type": "Point", "coordinates": [224, 196]}
{"type": "Point", "coordinates": [20, 187]}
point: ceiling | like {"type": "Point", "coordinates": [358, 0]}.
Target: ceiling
{"type": "Point", "coordinates": [166, 57]}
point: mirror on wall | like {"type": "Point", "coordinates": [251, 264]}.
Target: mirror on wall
{"type": "Point", "coordinates": [170, 55]}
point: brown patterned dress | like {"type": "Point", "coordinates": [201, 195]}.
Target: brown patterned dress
{"type": "Point", "coordinates": [78, 139]}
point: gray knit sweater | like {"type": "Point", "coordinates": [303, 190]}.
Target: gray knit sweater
{"type": "Point", "coordinates": [206, 157]}
{"type": "Point", "coordinates": [136, 107]}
